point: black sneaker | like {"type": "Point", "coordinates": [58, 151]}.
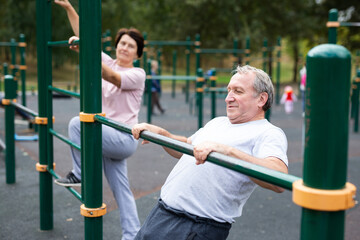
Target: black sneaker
{"type": "Point", "coordinates": [69, 181]}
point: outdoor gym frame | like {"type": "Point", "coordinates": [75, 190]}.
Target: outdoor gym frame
{"type": "Point", "coordinates": [332, 25]}
{"type": "Point", "coordinates": [324, 193]}
{"type": "Point", "coordinates": [15, 67]}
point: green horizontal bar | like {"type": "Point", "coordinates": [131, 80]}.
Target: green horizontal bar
{"type": "Point", "coordinates": [218, 90]}
{"type": "Point", "coordinates": [227, 70]}
{"type": "Point", "coordinates": [64, 139]}
{"type": "Point", "coordinates": [66, 92]}
{"type": "Point", "coordinates": [215, 50]}
{"type": "Point", "coordinates": [271, 176]}
{"type": "Point", "coordinates": [73, 191]}
{"type": "Point", "coordinates": [25, 109]}
{"type": "Point", "coordinates": [350, 24]}
{"type": "Point", "coordinates": [8, 44]}
{"type": "Point", "coordinates": [174, 77]}
{"type": "Point", "coordinates": [64, 43]}
{"type": "Point", "coordinates": [170, 43]}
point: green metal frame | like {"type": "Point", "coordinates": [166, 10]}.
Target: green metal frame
{"type": "Point", "coordinates": [326, 142]}
{"type": "Point", "coordinates": [15, 68]}
{"type": "Point", "coordinates": [325, 163]}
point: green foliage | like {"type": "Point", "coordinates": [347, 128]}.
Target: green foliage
{"type": "Point", "coordinates": [300, 23]}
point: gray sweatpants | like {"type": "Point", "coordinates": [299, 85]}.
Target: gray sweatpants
{"type": "Point", "coordinates": [116, 147]}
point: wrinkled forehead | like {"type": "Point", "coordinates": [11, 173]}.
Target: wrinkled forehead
{"type": "Point", "coordinates": [242, 80]}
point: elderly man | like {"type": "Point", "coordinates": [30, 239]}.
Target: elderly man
{"type": "Point", "coordinates": [200, 200]}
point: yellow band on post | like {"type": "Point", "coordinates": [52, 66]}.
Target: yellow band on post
{"type": "Point", "coordinates": [200, 79]}
{"type": "Point", "coordinates": [197, 43]}
{"type": "Point", "coordinates": [197, 50]}
{"type": "Point", "coordinates": [108, 48]}
{"type": "Point", "coordinates": [93, 212]}
{"type": "Point", "coordinates": [43, 167]}
{"type": "Point", "coordinates": [333, 24]}
{"type": "Point", "coordinates": [89, 117]}
{"type": "Point", "coordinates": [213, 78]}
{"type": "Point", "coordinates": [199, 90]}
{"type": "Point", "coordinates": [22, 67]}
{"type": "Point", "coordinates": [7, 101]}
{"type": "Point", "coordinates": [324, 200]}
{"type": "Point", "coordinates": [42, 120]}
{"type": "Point", "coordinates": [357, 79]}
{"type": "Point", "coordinates": [22, 44]}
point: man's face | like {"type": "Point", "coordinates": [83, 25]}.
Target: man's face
{"type": "Point", "coordinates": [242, 103]}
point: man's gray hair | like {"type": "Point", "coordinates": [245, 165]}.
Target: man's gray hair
{"type": "Point", "coordinates": [262, 83]}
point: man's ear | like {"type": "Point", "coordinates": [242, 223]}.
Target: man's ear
{"type": "Point", "coordinates": [263, 97]}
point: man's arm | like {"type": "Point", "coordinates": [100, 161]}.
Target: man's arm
{"type": "Point", "coordinates": [138, 128]}
{"type": "Point", "coordinates": [201, 151]}
{"type": "Point", "coordinates": [71, 13]}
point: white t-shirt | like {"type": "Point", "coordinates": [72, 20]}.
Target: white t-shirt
{"type": "Point", "coordinates": [212, 191]}
{"type": "Point", "coordinates": [123, 104]}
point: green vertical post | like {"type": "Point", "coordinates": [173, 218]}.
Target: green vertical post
{"type": "Point", "coordinates": [197, 52]}
{"type": "Point", "coordinates": [10, 94]}
{"type": "Point", "coordinates": [90, 78]}
{"type": "Point", "coordinates": [235, 47]}
{"type": "Point", "coordinates": [103, 42]}
{"type": "Point", "coordinates": [199, 95]}
{"type": "Point", "coordinates": [13, 57]}
{"type": "Point", "coordinates": [213, 79]}
{"type": "Point", "coordinates": [278, 71]}
{"type": "Point", "coordinates": [144, 57]}
{"type": "Point", "coordinates": [107, 42]}
{"type": "Point", "coordinates": [187, 83]}
{"type": "Point", "coordinates": [6, 68]}
{"type": "Point", "coordinates": [173, 82]}
{"type": "Point", "coordinates": [158, 57]}
{"type": "Point", "coordinates": [148, 87]}
{"type": "Point", "coordinates": [247, 51]}
{"type": "Point", "coordinates": [326, 136]}
{"type": "Point", "coordinates": [43, 35]}
{"type": "Point", "coordinates": [356, 101]}
{"type": "Point", "coordinates": [22, 46]}
{"type": "Point", "coordinates": [13, 61]}
{"type": "Point", "coordinates": [357, 62]}
{"type": "Point", "coordinates": [5, 71]}
{"type": "Point", "coordinates": [332, 32]}
{"type": "Point", "coordinates": [145, 52]}
{"type": "Point", "coordinates": [264, 52]}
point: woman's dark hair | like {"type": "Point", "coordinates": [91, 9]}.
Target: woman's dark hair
{"type": "Point", "coordinates": [134, 34]}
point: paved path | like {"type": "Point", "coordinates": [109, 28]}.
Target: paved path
{"type": "Point", "coordinates": [266, 215]}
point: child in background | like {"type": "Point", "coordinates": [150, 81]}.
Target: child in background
{"type": "Point", "coordinates": [288, 99]}
{"type": "Point", "coordinates": [155, 88]}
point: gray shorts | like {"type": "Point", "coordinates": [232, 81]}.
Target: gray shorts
{"type": "Point", "coordinates": [165, 222]}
